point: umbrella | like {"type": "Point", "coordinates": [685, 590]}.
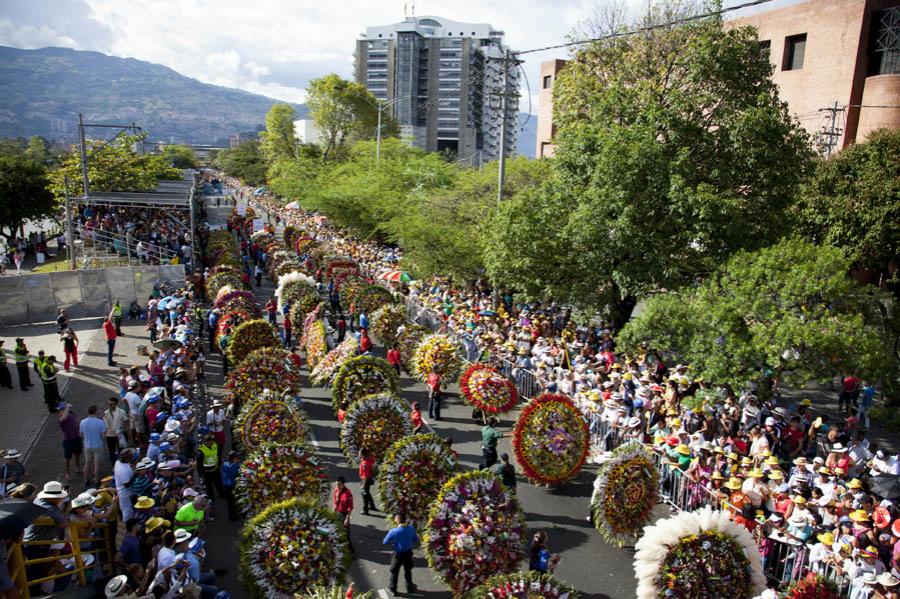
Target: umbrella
{"type": "Point", "coordinates": [16, 515]}
{"type": "Point", "coordinates": [165, 344]}
{"type": "Point", "coordinates": [885, 485]}
{"type": "Point", "coordinates": [293, 206]}
{"type": "Point", "coordinates": [487, 313]}
{"type": "Point", "coordinates": [395, 276]}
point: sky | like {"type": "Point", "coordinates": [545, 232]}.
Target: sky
{"type": "Point", "coordinates": [274, 47]}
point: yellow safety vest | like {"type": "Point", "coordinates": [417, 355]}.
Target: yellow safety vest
{"type": "Point", "coordinates": [117, 310]}
{"type": "Point", "coordinates": [210, 456]}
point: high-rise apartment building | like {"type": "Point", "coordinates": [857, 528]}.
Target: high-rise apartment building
{"type": "Point", "coordinates": [443, 81]}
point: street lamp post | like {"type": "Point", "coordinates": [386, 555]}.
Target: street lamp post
{"type": "Point", "coordinates": [379, 106]}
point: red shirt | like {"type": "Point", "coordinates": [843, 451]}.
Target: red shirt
{"type": "Point", "coordinates": [295, 360]}
{"type": "Point", "coordinates": [366, 468]}
{"type": "Point", "coordinates": [110, 329]}
{"type": "Point", "coordinates": [341, 415]}
{"type": "Point", "coordinates": [342, 501]}
{"type": "Point", "coordinates": [393, 357]}
{"type": "Point", "coordinates": [365, 344]}
{"type": "Point", "coordinates": [416, 417]}
{"type": "Point", "coordinates": [850, 383]}
{"type": "Point", "coordinates": [434, 381]}
{"type": "Point", "coordinates": [287, 324]}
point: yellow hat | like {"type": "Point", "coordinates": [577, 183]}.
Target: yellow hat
{"type": "Point", "coordinates": [683, 450]}
{"type": "Point", "coordinates": [798, 499]}
{"type": "Point", "coordinates": [859, 516]}
{"type": "Point", "coordinates": [772, 460]}
{"type": "Point", "coordinates": [676, 422]}
{"type": "Point", "coordinates": [767, 453]}
{"type": "Point", "coordinates": [776, 475]}
{"type": "Point", "coordinates": [733, 483]}
{"type": "Point", "coordinates": [659, 440]}
{"type": "Point", "coordinates": [746, 461]}
{"type": "Point", "coordinates": [839, 471]}
{"type": "Point", "coordinates": [627, 376]}
{"type": "Point", "coordinates": [825, 471]}
{"type": "Point", "coordinates": [854, 484]}
{"type": "Point", "coordinates": [756, 473]}
{"type": "Point", "coordinates": [826, 538]}
{"type": "Point", "coordinates": [156, 522]}
{"type": "Point", "coordinates": [718, 449]}
{"type": "Point", "coordinates": [732, 456]}
{"type": "Point", "coordinates": [717, 476]}
{"type": "Point", "coordinates": [806, 402]}
{"type": "Point", "coordinates": [103, 499]}
{"type": "Point", "coordinates": [144, 503]}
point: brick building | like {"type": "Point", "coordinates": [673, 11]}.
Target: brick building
{"type": "Point", "coordinates": [836, 63]}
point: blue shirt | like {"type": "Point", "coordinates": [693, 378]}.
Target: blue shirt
{"type": "Point", "coordinates": [153, 451]}
{"type": "Point", "coordinates": [229, 473]}
{"type": "Point", "coordinates": [130, 550]}
{"type": "Point", "coordinates": [93, 430]}
{"type": "Point", "coordinates": [403, 538]}
{"type": "Point", "coordinates": [193, 566]}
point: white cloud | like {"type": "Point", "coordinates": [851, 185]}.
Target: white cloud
{"type": "Point", "coordinates": [30, 36]}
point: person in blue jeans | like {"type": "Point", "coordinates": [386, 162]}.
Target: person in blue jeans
{"type": "Point", "coordinates": [404, 537]}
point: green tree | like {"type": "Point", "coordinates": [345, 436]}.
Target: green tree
{"type": "Point", "coordinates": [180, 156]}
{"type": "Point", "coordinates": [852, 202]}
{"type": "Point", "coordinates": [24, 193]}
{"type": "Point", "coordinates": [244, 162]}
{"type": "Point", "coordinates": [674, 151]}
{"type": "Point", "coordinates": [278, 141]}
{"type": "Point", "coordinates": [112, 166]}
{"type": "Point", "coordinates": [791, 309]}
{"type": "Point", "coordinates": [38, 149]}
{"type": "Point", "coordinates": [343, 112]}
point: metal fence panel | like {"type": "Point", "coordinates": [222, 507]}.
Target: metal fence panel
{"type": "Point", "coordinates": [67, 292]}
{"type": "Point", "coordinates": [121, 285]}
{"type": "Point", "coordinates": [143, 280]}
{"type": "Point", "coordinates": [173, 274]}
{"type": "Point", "coordinates": [13, 308]}
{"type": "Point", "coordinates": [94, 293]}
{"type": "Point", "coordinates": [40, 298]}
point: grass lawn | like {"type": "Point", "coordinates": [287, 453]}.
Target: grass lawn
{"type": "Point", "coordinates": [53, 265]}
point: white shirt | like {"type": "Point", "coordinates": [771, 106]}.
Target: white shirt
{"type": "Point", "coordinates": [122, 474]}
{"type": "Point", "coordinates": [214, 421]}
{"type": "Point", "coordinates": [134, 403]}
{"type": "Point", "coordinates": [164, 558]}
{"type": "Point", "coordinates": [113, 421]}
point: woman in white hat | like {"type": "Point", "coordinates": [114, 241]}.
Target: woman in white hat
{"type": "Point", "coordinates": [51, 498]}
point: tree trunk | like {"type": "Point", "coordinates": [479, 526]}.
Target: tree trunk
{"type": "Point", "coordinates": [620, 308]}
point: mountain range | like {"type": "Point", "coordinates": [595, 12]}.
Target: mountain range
{"type": "Point", "coordinates": [42, 92]}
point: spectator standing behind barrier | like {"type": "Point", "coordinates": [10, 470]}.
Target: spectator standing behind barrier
{"type": "Point", "coordinates": [5, 376]}
{"type": "Point", "coordinates": [114, 421]}
{"type": "Point", "coordinates": [92, 430]}
{"type": "Point", "coordinates": [109, 329]}
{"type": "Point", "coordinates": [71, 438]}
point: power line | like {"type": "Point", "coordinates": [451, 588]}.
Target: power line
{"type": "Point", "coordinates": [647, 28]}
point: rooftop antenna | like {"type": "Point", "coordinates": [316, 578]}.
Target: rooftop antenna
{"type": "Point", "coordinates": [413, 9]}
{"type": "Point", "coordinates": [405, 10]}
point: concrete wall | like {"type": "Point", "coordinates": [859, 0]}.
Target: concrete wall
{"type": "Point", "coordinates": [546, 128]}
{"type": "Point", "coordinates": [879, 91]}
{"type": "Point", "coordinates": [33, 298]}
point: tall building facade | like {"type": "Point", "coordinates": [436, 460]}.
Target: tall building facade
{"type": "Point", "coordinates": [444, 83]}
{"type": "Point", "coordinates": [836, 63]}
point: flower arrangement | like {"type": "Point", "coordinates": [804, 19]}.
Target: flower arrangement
{"type": "Point", "coordinates": [413, 471]}
{"type": "Point", "coordinates": [259, 236]}
{"type": "Point", "coordinates": [231, 320]}
{"type": "Point", "coordinates": [221, 279]}
{"type": "Point", "coordinates": [351, 286]}
{"type": "Point", "coordinates": [350, 277]}
{"type": "Point", "coordinates": [337, 592]}
{"type": "Point", "coordinates": [315, 341]}
{"type": "Point", "coordinates": [813, 586]}
{"type": "Point", "coordinates": [371, 298]}
{"type": "Point", "coordinates": [325, 369]}
{"type": "Point", "coordinates": [698, 554]}
{"type": "Point", "coordinates": [291, 547]}
{"type": "Point", "coordinates": [385, 322]}
{"type": "Point", "coordinates": [227, 294]}
{"type": "Point", "coordinates": [276, 472]}
{"type": "Point", "coordinates": [551, 439]}
{"type": "Point", "coordinates": [626, 491]}
{"type": "Point", "coordinates": [409, 340]}
{"type": "Point", "coordinates": [293, 286]}
{"type": "Point", "coordinates": [270, 420]}
{"type": "Point", "coordinates": [523, 585]}
{"type": "Point", "coordinates": [277, 257]}
{"type": "Point", "coordinates": [475, 530]}
{"type": "Point", "coordinates": [250, 336]}
{"type": "Point", "coordinates": [289, 266]}
{"type": "Point", "coordinates": [288, 235]}
{"type": "Point", "coordinates": [437, 353]}
{"type": "Point", "coordinates": [374, 422]}
{"type": "Point", "coordinates": [303, 244]}
{"type": "Point", "coordinates": [360, 376]}
{"type": "Point", "coordinates": [487, 390]}
{"type": "Point", "coordinates": [266, 368]}
{"type": "Point", "coordinates": [336, 266]}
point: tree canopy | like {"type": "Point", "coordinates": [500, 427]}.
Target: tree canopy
{"type": "Point", "coordinates": [278, 141]}
{"type": "Point", "coordinates": [245, 162]}
{"type": "Point", "coordinates": [24, 193]}
{"type": "Point", "coordinates": [673, 152]}
{"type": "Point", "coordinates": [180, 156]}
{"type": "Point", "coordinates": [791, 308]}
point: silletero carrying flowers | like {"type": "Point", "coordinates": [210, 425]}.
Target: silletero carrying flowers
{"type": "Point", "coordinates": [487, 390]}
{"type": "Point", "coordinates": [292, 547]}
{"type": "Point", "coordinates": [523, 585]}
{"type": "Point", "coordinates": [360, 376]}
{"type": "Point", "coordinates": [698, 554]}
{"type": "Point", "coordinates": [323, 372]}
{"type": "Point", "coordinates": [263, 369]}
{"type": "Point", "coordinates": [475, 530]}
{"type": "Point", "coordinates": [551, 439]}
{"type": "Point", "coordinates": [315, 341]}
{"type": "Point", "coordinates": [385, 322]}
{"type": "Point", "coordinates": [374, 422]}
{"type": "Point", "coordinates": [626, 489]}
{"type": "Point", "coordinates": [412, 472]}
{"type": "Point", "coordinates": [270, 420]}
{"type": "Point", "coordinates": [438, 353]}
{"type": "Point", "coordinates": [248, 337]}
{"type": "Point", "coordinates": [277, 472]}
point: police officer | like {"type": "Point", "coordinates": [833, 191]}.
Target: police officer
{"type": "Point", "coordinates": [21, 356]}
{"type": "Point", "coordinates": [117, 318]}
{"type": "Point", "coordinates": [208, 454]}
{"type": "Point", "coordinates": [47, 371]}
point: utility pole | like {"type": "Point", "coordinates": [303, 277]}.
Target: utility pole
{"type": "Point", "coordinates": [83, 150]}
{"type": "Point", "coordinates": [378, 135]}
{"type": "Point", "coordinates": [501, 166]}
{"type": "Point", "coordinates": [70, 228]}
{"type": "Point", "coordinates": [828, 136]}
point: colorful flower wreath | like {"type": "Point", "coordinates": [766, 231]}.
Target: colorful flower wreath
{"type": "Point", "coordinates": [315, 342]}
{"type": "Point", "coordinates": [336, 266]}
{"type": "Point", "coordinates": [409, 340]}
{"type": "Point", "coordinates": [487, 390]}
{"type": "Point", "coordinates": [374, 422]}
{"type": "Point", "coordinates": [475, 530]}
{"type": "Point", "coordinates": [371, 298]}
{"type": "Point", "coordinates": [813, 586]}
{"type": "Point", "coordinates": [288, 235]}
{"type": "Point", "coordinates": [291, 547]}
{"type": "Point", "coordinates": [324, 370]}
{"type": "Point", "coordinates": [223, 299]}
{"type": "Point", "coordinates": [303, 244]}
{"type": "Point", "coordinates": [438, 353]}
{"type": "Point", "coordinates": [231, 320]}
{"type": "Point", "coordinates": [361, 376]}
{"type": "Point", "coordinates": [626, 490]}
{"type": "Point", "coordinates": [350, 288]}
{"type": "Point", "coordinates": [698, 554]}
{"type": "Point", "coordinates": [270, 420]}
{"type": "Point", "coordinates": [276, 472]}
{"type": "Point", "coordinates": [385, 321]}
{"type": "Point", "coordinates": [523, 585]}
{"type": "Point", "coordinates": [293, 286]}
{"type": "Point", "coordinates": [266, 368]}
{"type": "Point", "coordinates": [219, 280]}
{"type": "Point", "coordinates": [250, 336]}
{"type": "Point", "coordinates": [337, 592]}
{"type": "Point", "coordinates": [551, 439]}
{"type": "Point", "coordinates": [413, 471]}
